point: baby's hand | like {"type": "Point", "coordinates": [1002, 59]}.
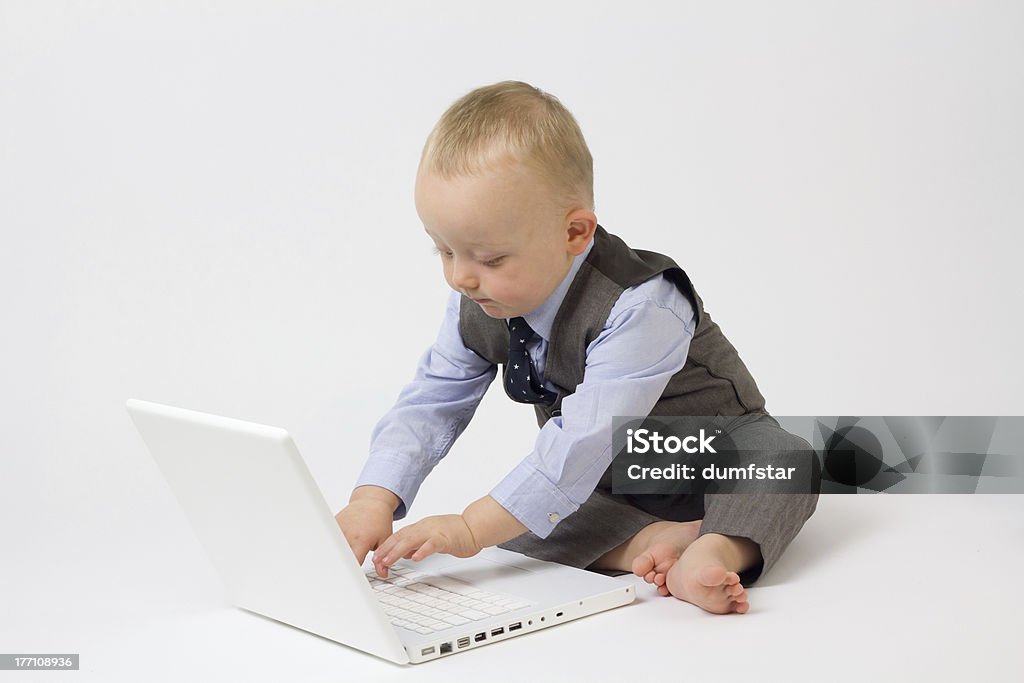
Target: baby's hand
{"type": "Point", "coordinates": [366, 524]}
{"type": "Point", "coordinates": [438, 534]}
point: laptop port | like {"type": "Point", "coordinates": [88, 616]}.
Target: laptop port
{"type": "Point", "coordinates": [560, 614]}
{"type": "Point", "coordinates": [480, 636]}
{"type": "Point", "coordinates": [446, 648]}
{"type": "Point", "coordinates": [463, 642]}
{"type": "Point", "coordinates": [427, 650]}
{"type": "Point", "coordinates": [515, 627]}
{"type": "Point", "coordinates": [497, 631]}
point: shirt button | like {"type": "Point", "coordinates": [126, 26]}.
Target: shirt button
{"type": "Point", "coordinates": [553, 517]}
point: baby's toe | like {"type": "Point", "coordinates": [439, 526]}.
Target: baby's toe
{"type": "Point", "coordinates": [643, 565]}
{"type": "Point", "coordinates": [712, 575]}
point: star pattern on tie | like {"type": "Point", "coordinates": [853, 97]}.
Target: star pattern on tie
{"type": "Point", "coordinates": [519, 371]}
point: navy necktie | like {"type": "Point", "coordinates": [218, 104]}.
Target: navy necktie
{"type": "Point", "coordinates": [521, 381]}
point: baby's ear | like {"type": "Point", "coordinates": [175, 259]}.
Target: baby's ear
{"type": "Point", "coordinates": [581, 227]}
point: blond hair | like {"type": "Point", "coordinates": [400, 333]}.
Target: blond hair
{"type": "Point", "coordinates": [513, 121]}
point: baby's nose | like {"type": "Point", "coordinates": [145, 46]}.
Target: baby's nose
{"type": "Point", "coordinates": [463, 277]}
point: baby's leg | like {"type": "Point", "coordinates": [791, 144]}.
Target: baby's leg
{"type": "Point", "coordinates": [743, 534]}
{"type": "Point", "coordinates": [769, 519]}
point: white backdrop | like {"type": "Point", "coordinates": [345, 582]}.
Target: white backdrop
{"type": "Point", "coordinates": [209, 204]}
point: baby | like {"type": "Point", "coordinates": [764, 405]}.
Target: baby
{"type": "Point", "coordinates": [584, 328]}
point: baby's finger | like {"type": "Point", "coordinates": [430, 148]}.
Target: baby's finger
{"type": "Point", "coordinates": [378, 564]}
{"type": "Point", "coordinates": [403, 547]}
{"type": "Point", "coordinates": [428, 548]}
{"type": "Point", "coordinates": [382, 551]}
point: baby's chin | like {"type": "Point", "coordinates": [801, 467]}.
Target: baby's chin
{"type": "Point", "coordinates": [500, 311]}
{"type": "Point", "coordinates": [494, 310]}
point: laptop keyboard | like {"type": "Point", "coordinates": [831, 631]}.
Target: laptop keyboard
{"type": "Point", "coordinates": [425, 603]}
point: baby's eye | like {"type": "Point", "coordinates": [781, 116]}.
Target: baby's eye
{"type": "Point", "coordinates": [444, 253]}
{"type": "Point", "coordinates": [494, 261]}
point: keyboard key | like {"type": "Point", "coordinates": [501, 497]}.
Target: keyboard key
{"type": "Point", "coordinates": [495, 609]}
{"type": "Point", "coordinates": [473, 614]}
{"type": "Point", "coordinates": [451, 585]}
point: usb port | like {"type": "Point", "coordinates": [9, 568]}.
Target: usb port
{"type": "Point", "coordinates": [427, 650]}
{"type": "Point", "coordinates": [480, 636]}
{"type": "Point", "coordinates": [497, 631]}
{"type": "Point", "coordinates": [463, 642]}
{"type": "Point", "coordinates": [515, 627]}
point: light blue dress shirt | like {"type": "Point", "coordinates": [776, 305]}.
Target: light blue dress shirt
{"type": "Point", "coordinates": [628, 365]}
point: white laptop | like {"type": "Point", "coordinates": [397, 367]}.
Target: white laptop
{"type": "Point", "coordinates": [269, 532]}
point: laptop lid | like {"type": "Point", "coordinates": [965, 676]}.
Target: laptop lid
{"type": "Point", "coordinates": [265, 525]}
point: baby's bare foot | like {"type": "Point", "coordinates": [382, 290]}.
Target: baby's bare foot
{"type": "Point", "coordinates": [664, 550]}
{"type": "Point", "coordinates": [709, 586]}
{"type": "Point", "coordinates": [704, 573]}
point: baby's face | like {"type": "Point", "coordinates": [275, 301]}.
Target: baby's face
{"type": "Point", "coordinates": [503, 239]}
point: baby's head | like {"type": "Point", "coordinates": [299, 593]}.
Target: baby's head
{"type": "Point", "coordinates": [505, 191]}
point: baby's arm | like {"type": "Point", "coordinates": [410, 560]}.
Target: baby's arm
{"type": "Point", "coordinates": [431, 412]}
{"type": "Point", "coordinates": [415, 434]}
{"type": "Point", "coordinates": [484, 523]}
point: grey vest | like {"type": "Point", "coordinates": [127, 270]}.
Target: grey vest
{"type": "Point", "coordinates": [714, 380]}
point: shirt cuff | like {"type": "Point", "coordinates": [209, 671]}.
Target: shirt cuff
{"type": "Point", "coordinates": [532, 499]}
{"type": "Point", "coordinates": [395, 472]}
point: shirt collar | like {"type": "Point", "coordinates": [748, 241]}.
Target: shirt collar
{"type": "Point", "coordinates": [542, 318]}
